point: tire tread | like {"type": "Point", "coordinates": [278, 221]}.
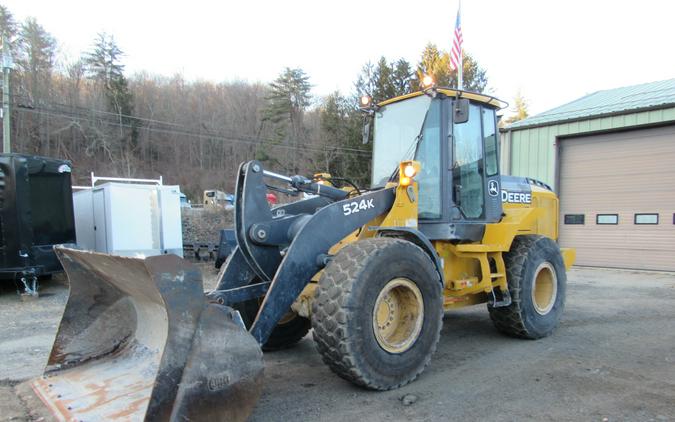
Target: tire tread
{"type": "Point", "coordinates": [331, 313]}
{"type": "Point", "coordinates": [510, 319]}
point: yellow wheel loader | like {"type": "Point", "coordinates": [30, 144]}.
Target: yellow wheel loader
{"type": "Point", "coordinates": [370, 271]}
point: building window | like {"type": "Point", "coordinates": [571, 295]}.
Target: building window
{"type": "Point", "coordinates": [646, 218]}
{"type": "Point", "coordinates": [574, 219]}
{"type": "Point", "coordinates": [607, 219]}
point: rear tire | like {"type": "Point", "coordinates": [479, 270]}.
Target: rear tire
{"type": "Point", "coordinates": [377, 313]}
{"type": "Point", "coordinates": [537, 283]}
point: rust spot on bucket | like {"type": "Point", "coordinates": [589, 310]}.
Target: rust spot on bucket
{"type": "Point", "coordinates": [132, 408]}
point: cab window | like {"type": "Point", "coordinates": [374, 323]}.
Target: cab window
{"type": "Point", "coordinates": [428, 153]}
{"type": "Point", "coordinates": [490, 141]}
{"type": "Point", "coordinates": [467, 165]}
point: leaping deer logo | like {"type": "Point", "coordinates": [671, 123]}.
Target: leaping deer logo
{"type": "Point", "coordinates": [493, 188]}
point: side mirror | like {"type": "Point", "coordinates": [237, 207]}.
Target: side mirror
{"type": "Point", "coordinates": [460, 111]}
{"type": "Point", "coordinates": [366, 130]}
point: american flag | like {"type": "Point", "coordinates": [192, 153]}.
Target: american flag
{"type": "Point", "coordinates": [456, 52]}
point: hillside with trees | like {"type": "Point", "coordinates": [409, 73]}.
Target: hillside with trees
{"type": "Point", "coordinates": [194, 133]}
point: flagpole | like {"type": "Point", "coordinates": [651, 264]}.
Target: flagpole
{"type": "Point", "coordinates": [460, 82]}
{"type": "Point", "coordinates": [460, 66]}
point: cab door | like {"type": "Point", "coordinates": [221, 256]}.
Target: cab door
{"type": "Point", "coordinates": [475, 174]}
{"type": "Point", "coordinates": [493, 190]}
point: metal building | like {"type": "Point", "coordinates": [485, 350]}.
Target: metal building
{"type": "Point", "coordinates": [610, 155]}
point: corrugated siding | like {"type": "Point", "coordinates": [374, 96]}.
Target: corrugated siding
{"type": "Point", "coordinates": [533, 149]}
{"type": "Point", "coordinates": [530, 154]}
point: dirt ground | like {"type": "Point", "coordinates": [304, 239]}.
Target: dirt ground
{"type": "Point", "coordinates": [612, 359]}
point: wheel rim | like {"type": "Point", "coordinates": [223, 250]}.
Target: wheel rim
{"type": "Point", "coordinates": [544, 288]}
{"type": "Point", "coordinates": [398, 315]}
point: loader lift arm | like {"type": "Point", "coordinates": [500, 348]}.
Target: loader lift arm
{"type": "Point", "coordinates": [285, 246]}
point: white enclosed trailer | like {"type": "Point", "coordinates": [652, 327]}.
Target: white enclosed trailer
{"type": "Point", "coordinates": [129, 219]}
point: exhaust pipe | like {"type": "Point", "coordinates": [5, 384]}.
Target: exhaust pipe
{"type": "Point", "coordinates": [138, 341]}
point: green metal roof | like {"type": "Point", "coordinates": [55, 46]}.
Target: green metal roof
{"type": "Point", "coordinates": [624, 100]}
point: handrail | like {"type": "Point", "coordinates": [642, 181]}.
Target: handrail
{"type": "Point", "coordinates": [95, 179]}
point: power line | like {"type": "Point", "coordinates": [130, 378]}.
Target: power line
{"type": "Point", "coordinates": [79, 116]}
{"type": "Point", "coordinates": [144, 119]}
{"type": "Point", "coordinates": [207, 136]}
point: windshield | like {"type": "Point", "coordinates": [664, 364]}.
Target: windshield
{"type": "Point", "coordinates": [396, 127]}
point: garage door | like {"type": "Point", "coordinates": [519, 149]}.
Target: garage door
{"type": "Point", "coordinates": [617, 198]}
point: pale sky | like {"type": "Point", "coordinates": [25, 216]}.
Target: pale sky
{"type": "Point", "coordinates": [552, 51]}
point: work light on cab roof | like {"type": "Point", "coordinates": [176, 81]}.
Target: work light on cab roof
{"type": "Point", "coordinates": [365, 102]}
{"type": "Point", "coordinates": [427, 82]}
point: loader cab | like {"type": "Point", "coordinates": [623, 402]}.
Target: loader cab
{"type": "Point", "coordinates": [453, 134]}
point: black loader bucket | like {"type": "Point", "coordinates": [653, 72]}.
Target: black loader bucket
{"type": "Point", "coordinates": [138, 341]}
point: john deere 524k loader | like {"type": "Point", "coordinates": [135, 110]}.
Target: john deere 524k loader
{"type": "Point", "coordinates": [370, 271]}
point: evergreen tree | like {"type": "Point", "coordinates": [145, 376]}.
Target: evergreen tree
{"type": "Point", "coordinates": [289, 97]}
{"type": "Point", "coordinates": [519, 109]}
{"type": "Point", "coordinates": [341, 125]}
{"type": "Point", "coordinates": [9, 31]}
{"type": "Point", "coordinates": [365, 81]}
{"type": "Point", "coordinates": [382, 81]}
{"type": "Point", "coordinates": [436, 63]}
{"type": "Point", "coordinates": [402, 77]}
{"type": "Point", "coordinates": [385, 80]}
{"type": "Point", "coordinates": [333, 116]}
{"type": "Point", "coordinates": [8, 27]}
{"type": "Point", "coordinates": [36, 58]}
{"type": "Point", "coordinates": [103, 65]}
{"type": "Point", "coordinates": [35, 53]}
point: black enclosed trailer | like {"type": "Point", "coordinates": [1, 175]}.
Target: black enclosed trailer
{"type": "Point", "coordinates": [36, 213]}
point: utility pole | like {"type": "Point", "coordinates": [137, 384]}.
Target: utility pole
{"type": "Point", "coordinates": [6, 107]}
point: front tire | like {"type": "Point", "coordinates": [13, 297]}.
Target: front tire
{"type": "Point", "coordinates": [377, 313]}
{"type": "Point", "coordinates": [537, 283]}
{"type": "Point", "coordinates": [290, 329]}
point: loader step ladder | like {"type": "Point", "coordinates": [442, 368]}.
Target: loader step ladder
{"type": "Point", "coordinates": [500, 298]}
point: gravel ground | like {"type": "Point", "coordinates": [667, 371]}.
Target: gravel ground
{"type": "Point", "coordinates": [612, 359]}
{"type": "Point", "coordinates": [202, 225]}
